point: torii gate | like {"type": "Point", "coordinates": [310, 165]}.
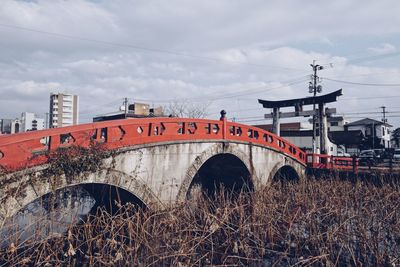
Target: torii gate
{"type": "Point", "coordinates": [298, 105]}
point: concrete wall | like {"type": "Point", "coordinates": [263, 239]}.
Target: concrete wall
{"type": "Point", "coordinates": [158, 175]}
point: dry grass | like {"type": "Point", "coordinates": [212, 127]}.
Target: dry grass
{"type": "Point", "coordinates": [324, 222]}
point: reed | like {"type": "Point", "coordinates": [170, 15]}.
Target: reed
{"type": "Point", "coordinates": [326, 222]}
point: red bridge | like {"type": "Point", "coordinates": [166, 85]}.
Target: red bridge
{"type": "Point", "coordinates": [157, 159]}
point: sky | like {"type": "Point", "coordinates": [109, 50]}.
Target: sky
{"type": "Point", "coordinates": [211, 54]}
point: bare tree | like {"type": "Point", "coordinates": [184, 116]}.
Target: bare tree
{"type": "Point", "coordinates": [185, 109]}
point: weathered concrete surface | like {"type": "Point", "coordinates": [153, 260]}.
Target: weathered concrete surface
{"type": "Point", "coordinates": [158, 175]}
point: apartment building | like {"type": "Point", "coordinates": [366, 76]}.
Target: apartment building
{"type": "Point", "coordinates": [64, 110]}
{"type": "Point", "coordinates": [31, 122]}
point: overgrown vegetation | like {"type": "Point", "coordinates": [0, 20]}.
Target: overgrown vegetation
{"type": "Point", "coordinates": [315, 222]}
{"type": "Point", "coordinates": [75, 160]}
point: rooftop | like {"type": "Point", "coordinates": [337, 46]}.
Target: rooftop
{"type": "Point", "coordinates": [368, 121]}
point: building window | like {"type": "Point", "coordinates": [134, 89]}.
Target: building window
{"type": "Point", "coordinates": [334, 123]}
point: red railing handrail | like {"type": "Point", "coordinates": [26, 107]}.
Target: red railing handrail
{"type": "Point", "coordinates": [323, 161]}
{"type": "Point", "coordinates": [23, 150]}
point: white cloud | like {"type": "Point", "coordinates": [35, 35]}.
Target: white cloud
{"type": "Point", "coordinates": [383, 49]}
{"type": "Point", "coordinates": [231, 47]}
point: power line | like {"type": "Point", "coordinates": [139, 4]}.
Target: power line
{"type": "Point", "coordinates": [138, 47]}
{"type": "Point", "coordinates": [364, 58]}
{"type": "Point", "coordinates": [373, 57]}
{"type": "Point", "coordinates": [367, 74]}
{"type": "Point", "coordinates": [96, 106]}
{"type": "Point", "coordinates": [342, 113]}
{"type": "Point", "coordinates": [365, 113]}
{"type": "Point", "coordinates": [366, 84]}
{"type": "Point", "coordinates": [213, 97]}
{"type": "Point", "coordinates": [369, 97]}
{"type": "Point", "coordinates": [197, 99]}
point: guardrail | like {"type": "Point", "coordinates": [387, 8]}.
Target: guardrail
{"type": "Point", "coordinates": [319, 161]}
{"type": "Point", "coordinates": [29, 149]}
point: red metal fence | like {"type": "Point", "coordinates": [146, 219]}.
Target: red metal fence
{"type": "Point", "coordinates": [29, 149]}
{"type": "Point", "coordinates": [318, 161]}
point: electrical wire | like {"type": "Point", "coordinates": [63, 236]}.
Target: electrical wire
{"type": "Point", "coordinates": [362, 59]}
{"type": "Point", "coordinates": [367, 74]}
{"type": "Point", "coordinates": [239, 93]}
{"type": "Point", "coordinates": [138, 47]}
{"type": "Point", "coordinates": [366, 84]}
{"type": "Point", "coordinates": [369, 97]}
{"type": "Point", "coordinates": [373, 57]}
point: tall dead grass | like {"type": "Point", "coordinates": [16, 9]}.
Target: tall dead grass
{"type": "Point", "coordinates": [314, 222]}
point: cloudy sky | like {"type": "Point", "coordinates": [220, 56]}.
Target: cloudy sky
{"type": "Point", "coordinates": [216, 54]}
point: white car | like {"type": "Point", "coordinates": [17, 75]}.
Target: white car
{"type": "Point", "coordinates": [342, 154]}
{"type": "Point", "coordinates": [396, 154]}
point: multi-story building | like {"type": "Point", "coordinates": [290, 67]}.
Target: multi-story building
{"type": "Point", "coordinates": [64, 110]}
{"type": "Point", "coordinates": [10, 126]}
{"type": "Point", "coordinates": [30, 122]}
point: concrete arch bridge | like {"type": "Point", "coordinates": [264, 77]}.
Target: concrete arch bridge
{"type": "Point", "coordinates": [158, 160]}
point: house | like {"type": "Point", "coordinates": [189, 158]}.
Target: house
{"type": "Point", "coordinates": [376, 133]}
{"type": "Point", "coordinates": [396, 138]}
{"type": "Point", "coordinates": [135, 110]}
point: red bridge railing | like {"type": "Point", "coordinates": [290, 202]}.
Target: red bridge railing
{"type": "Point", "coordinates": [29, 149]}
{"type": "Point", "coordinates": [319, 161]}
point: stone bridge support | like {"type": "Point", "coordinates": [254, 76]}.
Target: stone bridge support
{"type": "Point", "coordinates": [158, 174]}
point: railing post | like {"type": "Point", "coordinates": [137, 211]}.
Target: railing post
{"type": "Point", "coordinates": [223, 119]}
{"type": "Point", "coordinates": [354, 162]}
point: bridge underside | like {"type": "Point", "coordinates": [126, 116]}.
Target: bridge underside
{"type": "Point", "coordinates": [161, 174]}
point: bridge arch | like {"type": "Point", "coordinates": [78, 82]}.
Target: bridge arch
{"type": "Point", "coordinates": [222, 171]}
{"type": "Point", "coordinates": [285, 173]}
{"type": "Point", "coordinates": [231, 151]}
{"type": "Point", "coordinates": [33, 187]}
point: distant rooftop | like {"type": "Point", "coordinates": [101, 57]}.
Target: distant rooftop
{"type": "Point", "coordinates": [368, 121]}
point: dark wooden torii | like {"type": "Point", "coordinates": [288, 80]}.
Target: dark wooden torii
{"type": "Point", "coordinates": [298, 105]}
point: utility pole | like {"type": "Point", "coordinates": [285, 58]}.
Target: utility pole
{"type": "Point", "coordinates": [373, 135]}
{"type": "Point", "coordinates": [384, 120]}
{"type": "Point", "coordinates": [314, 89]}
